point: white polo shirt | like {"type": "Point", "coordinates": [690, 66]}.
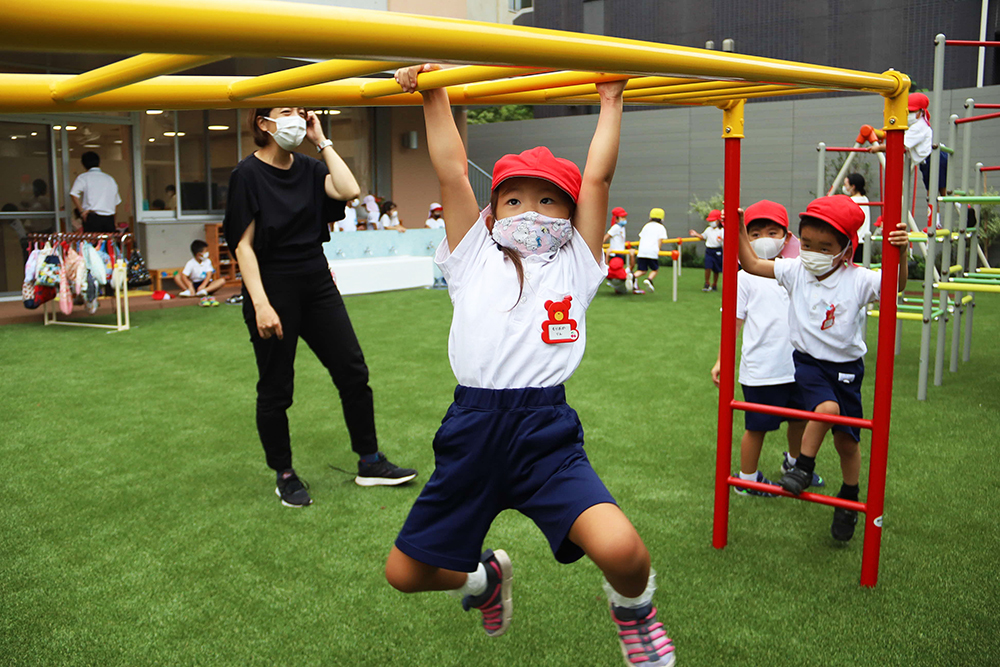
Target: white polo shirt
{"type": "Point", "coordinates": [826, 318]}
{"type": "Point", "coordinates": [866, 225]}
{"type": "Point", "coordinates": [433, 223]}
{"type": "Point", "coordinates": [496, 341]}
{"type": "Point", "coordinates": [197, 271]}
{"type": "Point", "coordinates": [350, 221]}
{"type": "Point", "coordinates": [98, 192]}
{"type": "Point", "coordinates": [649, 240]}
{"type": "Point", "coordinates": [713, 237]}
{"type": "Point", "coordinates": [766, 356]}
{"type": "Point", "coordinates": [918, 140]}
{"type": "Point", "coordinates": [617, 240]}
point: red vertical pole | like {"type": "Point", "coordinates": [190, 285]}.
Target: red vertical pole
{"type": "Point", "coordinates": [892, 212]}
{"type": "Point", "coordinates": [732, 134]}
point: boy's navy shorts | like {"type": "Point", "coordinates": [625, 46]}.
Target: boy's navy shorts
{"type": "Point", "coordinates": [646, 264]}
{"type": "Point", "coordinates": [821, 381]}
{"type": "Point", "coordinates": [502, 449]}
{"type": "Point", "coordinates": [713, 259]}
{"type": "Point", "coordinates": [780, 395]}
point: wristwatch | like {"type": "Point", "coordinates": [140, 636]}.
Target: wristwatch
{"type": "Point", "coordinates": [323, 144]}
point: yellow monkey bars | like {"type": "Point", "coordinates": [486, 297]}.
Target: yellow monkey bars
{"type": "Point", "coordinates": [513, 64]}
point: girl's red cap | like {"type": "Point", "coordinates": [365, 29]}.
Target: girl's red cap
{"type": "Point", "coordinates": [766, 210]}
{"type": "Point", "coordinates": [539, 163]}
{"type": "Point", "coordinates": [841, 212]}
{"type": "Point", "coordinates": [713, 215]}
{"type": "Point", "coordinates": [619, 212]}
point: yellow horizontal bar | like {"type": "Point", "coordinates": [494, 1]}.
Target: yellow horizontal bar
{"type": "Point", "coordinates": [955, 268]}
{"type": "Point", "coordinates": [633, 84]}
{"type": "Point", "coordinates": [553, 81]}
{"type": "Point", "coordinates": [734, 95]}
{"type": "Point", "coordinates": [702, 88]}
{"type": "Point", "coordinates": [967, 299]}
{"type": "Point", "coordinates": [125, 72]}
{"type": "Point", "coordinates": [307, 75]}
{"type": "Point", "coordinates": [967, 287]}
{"type": "Point", "coordinates": [271, 28]}
{"type": "Point", "coordinates": [447, 77]}
{"type": "Point", "coordinates": [900, 315]}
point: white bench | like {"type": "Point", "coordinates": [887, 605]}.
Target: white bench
{"type": "Point", "coordinates": [382, 274]}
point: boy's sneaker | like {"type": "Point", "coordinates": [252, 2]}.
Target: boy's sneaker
{"type": "Point", "coordinates": [201, 292]}
{"type": "Point", "coordinates": [795, 481]}
{"type": "Point", "coordinates": [787, 465]}
{"type": "Point", "coordinates": [382, 473]}
{"type": "Point", "coordinates": [753, 492]}
{"type": "Point", "coordinates": [495, 602]}
{"type": "Point", "coordinates": [715, 288]}
{"type": "Point", "coordinates": [648, 283]}
{"type": "Point", "coordinates": [236, 298]}
{"type": "Point", "coordinates": [292, 490]}
{"type": "Point", "coordinates": [642, 638]}
{"type": "Point", "coordinates": [706, 288]}
{"type": "Point", "coordinates": [843, 524]}
{"type": "Point", "coordinates": [186, 293]}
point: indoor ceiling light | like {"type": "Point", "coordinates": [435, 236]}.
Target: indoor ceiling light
{"type": "Point", "coordinates": [71, 127]}
{"type": "Point", "coordinates": [57, 127]}
{"type": "Point", "coordinates": [153, 112]}
{"type": "Point", "coordinates": [218, 128]}
{"type": "Point", "coordinates": [91, 145]}
{"type": "Point", "coordinates": [151, 140]}
{"type": "Point", "coordinates": [34, 134]}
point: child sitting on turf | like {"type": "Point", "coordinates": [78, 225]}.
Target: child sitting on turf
{"type": "Point", "coordinates": [521, 274]}
{"type": "Point", "coordinates": [767, 373]}
{"type": "Point", "coordinates": [827, 296]}
{"type": "Point", "coordinates": [712, 236]}
{"type": "Point", "coordinates": [196, 279]}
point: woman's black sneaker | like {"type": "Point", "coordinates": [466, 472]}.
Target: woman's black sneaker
{"type": "Point", "coordinates": [292, 490]}
{"type": "Point", "coordinates": [843, 524]}
{"type": "Point", "coordinates": [382, 473]}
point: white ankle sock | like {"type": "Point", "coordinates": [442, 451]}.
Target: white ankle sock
{"type": "Point", "coordinates": [791, 459]}
{"type": "Point", "coordinates": [619, 600]}
{"type": "Point", "coordinates": [475, 584]}
{"type": "Point", "coordinates": [752, 477]}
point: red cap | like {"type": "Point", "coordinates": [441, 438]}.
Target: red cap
{"type": "Point", "coordinates": [766, 210]}
{"type": "Point", "coordinates": [841, 212]}
{"type": "Point", "coordinates": [539, 163]}
{"type": "Point", "coordinates": [619, 212]}
{"type": "Point", "coordinates": [917, 101]}
{"type": "Point", "coordinates": [713, 215]}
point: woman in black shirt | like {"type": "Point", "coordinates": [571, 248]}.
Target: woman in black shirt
{"type": "Point", "coordinates": [277, 213]}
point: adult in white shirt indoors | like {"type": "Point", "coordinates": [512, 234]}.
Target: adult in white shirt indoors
{"type": "Point", "coordinates": [854, 187]}
{"type": "Point", "coordinates": [95, 195]}
{"type": "Point", "coordinates": [434, 219]}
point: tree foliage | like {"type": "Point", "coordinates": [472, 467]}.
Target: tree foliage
{"type": "Point", "coordinates": [482, 115]}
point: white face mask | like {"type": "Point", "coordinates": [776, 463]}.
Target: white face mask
{"type": "Point", "coordinates": [911, 117]}
{"type": "Point", "coordinates": [289, 131]}
{"type": "Point", "coordinates": [394, 215]}
{"type": "Point", "coordinates": [818, 263]}
{"type": "Point", "coordinates": [714, 224]}
{"type": "Point", "coordinates": [846, 190]}
{"type": "Point", "coordinates": [622, 221]}
{"type": "Point", "coordinates": [767, 247]}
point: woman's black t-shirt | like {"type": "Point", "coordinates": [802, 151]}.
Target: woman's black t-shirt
{"type": "Point", "coordinates": [290, 208]}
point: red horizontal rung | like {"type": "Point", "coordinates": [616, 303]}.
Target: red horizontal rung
{"type": "Point", "coordinates": [868, 203]}
{"type": "Point", "coordinates": [989, 169]}
{"type": "Point", "coordinates": [984, 105]}
{"type": "Point", "coordinates": [968, 42]}
{"type": "Point", "coordinates": [801, 414]}
{"type": "Point", "coordinates": [819, 498]}
{"type": "Point", "coordinates": [973, 119]}
{"type": "Point", "coordinates": [845, 149]}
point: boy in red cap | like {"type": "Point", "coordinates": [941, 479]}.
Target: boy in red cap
{"type": "Point", "coordinates": [918, 140]}
{"type": "Point", "coordinates": [712, 236]}
{"type": "Point", "coordinates": [521, 274]}
{"type": "Point", "coordinates": [827, 295]}
{"type": "Point", "coordinates": [767, 372]}
{"type": "Point", "coordinates": [615, 238]}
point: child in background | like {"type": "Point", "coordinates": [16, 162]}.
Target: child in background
{"type": "Point", "coordinates": [434, 219]}
{"type": "Point", "coordinates": [854, 187]}
{"type": "Point", "coordinates": [390, 217]}
{"type": "Point", "coordinates": [371, 213]}
{"type": "Point", "coordinates": [510, 441]}
{"type": "Point", "coordinates": [712, 236]}
{"type": "Point", "coordinates": [652, 235]}
{"type": "Point", "coordinates": [196, 279]}
{"type": "Point", "coordinates": [827, 296]}
{"type": "Point", "coordinates": [767, 373]}
{"type": "Point", "coordinates": [615, 236]}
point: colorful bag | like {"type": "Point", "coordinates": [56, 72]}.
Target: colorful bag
{"type": "Point", "coordinates": [65, 298]}
{"type": "Point", "coordinates": [43, 293]}
{"type": "Point", "coordinates": [31, 266]}
{"type": "Point", "coordinates": [48, 267]}
{"type": "Point", "coordinates": [95, 265]}
{"type": "Point", "coordinates": [138, 274]}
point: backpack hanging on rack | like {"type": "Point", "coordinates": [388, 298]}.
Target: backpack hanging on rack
{"type": "Point", "coordinates": [138, 274]}
{"type": "Point", "coordinates": [48, 267]}
{"type": "Point", "coordinates": [95, 265]}
{"type": "Point", "coordinates": [65, 298]}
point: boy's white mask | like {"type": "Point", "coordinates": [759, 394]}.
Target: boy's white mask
{"type": "Point", "coordinates": [818, 263]}
{"type": "Point", "coordinates": [767, 247]}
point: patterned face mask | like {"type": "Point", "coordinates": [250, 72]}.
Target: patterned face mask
{"type": "Point", "coordinates": [532, 233]}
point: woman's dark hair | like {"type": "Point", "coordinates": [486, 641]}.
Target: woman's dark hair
{"type": "Point", "coordinates": [823, 225]}
{"type": "Point", "coordinates": [386, 206]}
{"type": "Point", "coordinates": [857, 182]}
{"type": "Point", "coordinates": [260, 137]}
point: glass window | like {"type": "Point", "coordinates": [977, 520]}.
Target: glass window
{"type": "Point", "coordinates": [224, 154]}
{"type": "Point", "coordinates": [191, 126]}
{"type": "Point", "coordinates": [157, 151]}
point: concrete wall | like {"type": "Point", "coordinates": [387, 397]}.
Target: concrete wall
{"type": "Point", "coordinates": [669, 155]}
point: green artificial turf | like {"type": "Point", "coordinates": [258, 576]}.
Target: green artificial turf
{"type": "Point", "coordinates": [139, 524]}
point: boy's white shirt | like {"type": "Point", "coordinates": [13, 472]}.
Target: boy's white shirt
{"type": "Point", "coordinates": [766, 354]}
{"type": "Point", "coordinates": [713, 237]}
{"type": "Point", "coordinates": [200, 269]}
{"type": "Point", "coordinates": [494, 344]}
{"type": "Point", "coordinates": [866, 225]}
{"type": "Point", "coordinates": [849, 289]}
{"type": "Point", "coordinates": [434, 223]}
{"type": "Point", "coordinates": [649, 240]}
{"type": "Point", "coordinates": [918, 140]}
{"type": "Point", "coordinates": [617, 240]}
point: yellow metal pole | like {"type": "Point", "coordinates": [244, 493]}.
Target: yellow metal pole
{"type": "Point", "coordinates": [633, 84]}
{"type": "Point", "coordinates": [316, 31]}
{"type": "Point", "coordinates": [307, 75]}
{"type": "Point", "coordinates": [447, 77]}
{"type": "Point", "coordinates": [736, 94]}
{"type": "Point", "coordinates": [552, 81]}
{"type": "Point", "coordinates": [703, 88]}
{"type": "Point", "coordinates": [125, 72]}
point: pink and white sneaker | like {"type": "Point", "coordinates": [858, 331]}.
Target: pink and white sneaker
{"type": "Point", "coordinates": [495, 602]}
{"type": "Point", "coordinates": [642, 638]}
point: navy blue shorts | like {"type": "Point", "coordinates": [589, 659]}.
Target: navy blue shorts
{"type": "Point", "coordinates": [644, 264]}
{"type": "Point", "coordinates": [502, 449]}
{"type": "Point", "coordinates": [713, 259]}
{"type": "Point", "coordinates": [821, 381]}
{"type": "Point", "coordinates": [925, 171]}
{"type": "Point", "coordinates": [779, 395]}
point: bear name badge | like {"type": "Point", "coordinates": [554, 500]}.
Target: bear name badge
{"type": "Point", "coordinates": [559, 328]}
